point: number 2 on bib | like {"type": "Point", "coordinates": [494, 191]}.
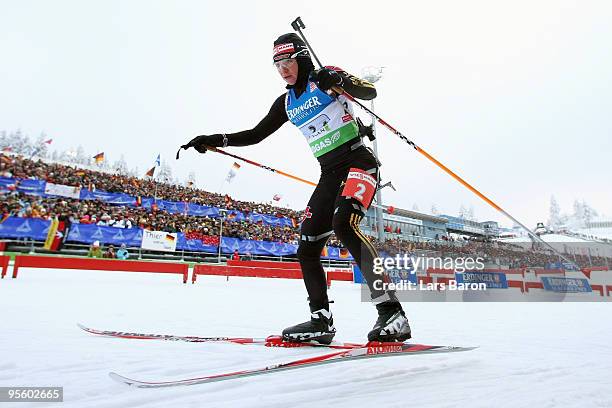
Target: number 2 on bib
{"type": "Point", "coordinates": [360, 186]}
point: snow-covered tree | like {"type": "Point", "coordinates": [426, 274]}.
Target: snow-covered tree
{"type": "Point", "coordinates": [4, 142]}
{"type": "Point", "coordinates": [470, 214]}
{"type": "Point", "coordinates": [20, 143]}
{"type": "Point", "coordinates": [462, 212]}
{"type": "Point", "coordinates": [165, 173]}
{"type": "Point", "coordinates": [554, 214]}
{"type": "Point", "coordinates": [40, 148]}
{"type": "Point", "coordinates": [79, 156]}
{"type": "Point", "coordinates": [588, 213]}
{"type": "Point", "coordinates": [120, 166]}
{"type": "Point", "coordinates": [135, 172]}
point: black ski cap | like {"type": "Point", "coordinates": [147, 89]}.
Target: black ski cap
{"type": "Point", "coordinates": [290, 45]}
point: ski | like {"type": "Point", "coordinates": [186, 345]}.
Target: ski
{"type": "Point", "coordinates": [370, 350]}
{"type": "Point", "coordinates": [270, 341]}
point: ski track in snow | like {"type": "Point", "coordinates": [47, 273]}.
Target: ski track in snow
{"type": "Point", "coordinates": [531, 354]}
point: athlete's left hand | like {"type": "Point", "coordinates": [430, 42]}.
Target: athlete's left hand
{"type": "Point", "coordinates": [327, 78]}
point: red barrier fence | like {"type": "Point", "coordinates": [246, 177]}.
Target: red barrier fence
{"type": "Point", "coordinates": [533, 285]}
{"type": "Point", "coordinates": [4, 261]}
{"type": "Point", "coordinates": [598, 288]}
{"type": "Point", "coordinates": [245, 271]}
{"type": "Point", "coordinates": [28, 261]}
{"type": "Point", "coordinates": [265, 264]}
{"type": "Point", "coordinates": [539, 272]}
{"type": "Point", "coordinates": [516, 284]}
{"type": "Point", "coordinates": [339, 275]}
{"type": "Point", "coordinates": [587, 271]}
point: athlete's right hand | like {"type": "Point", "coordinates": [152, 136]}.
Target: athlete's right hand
{"type": "Point", "coordinates": [200, 143]}
{"type": "Point", "coordinates": [203, 143]}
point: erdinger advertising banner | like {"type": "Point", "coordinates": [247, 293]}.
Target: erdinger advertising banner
{"type": "Point", "coordinates": [566, 285]}
{"type": "Point", "coordinates": [493, 280]}
{"type": "Point", "coordinates": [158, 240]}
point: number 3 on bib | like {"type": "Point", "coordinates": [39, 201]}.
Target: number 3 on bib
{"type": "Point", "coordinates": [360, 186]}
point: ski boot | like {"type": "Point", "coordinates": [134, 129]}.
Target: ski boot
{"type": "Point", "coordinates": [392, 324]}
{"type": "Point", "coordinates": [320, 328]}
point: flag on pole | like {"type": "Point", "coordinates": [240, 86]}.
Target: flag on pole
{"type": "Point", "coordinates": [232, 172]}
{"type": "Point", "coordinates": [344, 253]}
{"type": "Point", "coordinates": [157, 161]}
{"type": "Point", "coordinates": [48, 141]}
{"type": "Point", "coordinates": [99, 158]}
{"type": "Point", "coordinates": [277, 197]}
{"type": "Point", "coordinates": [150, 172]}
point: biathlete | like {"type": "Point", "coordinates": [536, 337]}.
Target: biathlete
{"type": "Point", "coordinates": [349, 178]}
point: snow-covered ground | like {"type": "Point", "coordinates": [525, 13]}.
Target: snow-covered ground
{"type": "Point", "coordinates": [530, 355]}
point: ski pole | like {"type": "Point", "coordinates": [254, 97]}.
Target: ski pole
{"type": "Point", "coordinates": [273, 170]}
{"type": "Point", "coordinates": [298, 24]}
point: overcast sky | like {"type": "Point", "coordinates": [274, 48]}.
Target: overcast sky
{"type": "Point", "coordinates": [514, 96]}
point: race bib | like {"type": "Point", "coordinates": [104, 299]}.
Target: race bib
{"type": "Point", "coordinates": [360, 186]}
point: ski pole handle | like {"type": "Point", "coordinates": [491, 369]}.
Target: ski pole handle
{"type": "Point", "coordinates": [297, 24]}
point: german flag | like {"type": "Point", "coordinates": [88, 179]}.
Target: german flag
{"type": "Point", "coordinates": [170, 238]}
{"type": "Point", "coordinates": [99, 158]}
{"type": "Point", "coordinates": [324, 252]}
{"type": "Point", "coordinates": [150, 172]}
{"type": "Point", "coordinates": [5, 217]}
{"type": "Point", "coordinates": [344, 253]}
{"type": "Point", "coordinates": [138, 201]}
{"type": "Point", "coordinates": [294, 223]}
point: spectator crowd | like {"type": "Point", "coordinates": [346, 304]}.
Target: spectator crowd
{"type": "Point", "coordinates": [207, 229]}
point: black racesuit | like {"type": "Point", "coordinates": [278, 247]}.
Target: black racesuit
{"type": "Point", "coordinates": [327, 211]}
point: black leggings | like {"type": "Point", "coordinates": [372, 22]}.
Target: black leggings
{"type": "Point", "coordinates": [328, 211]}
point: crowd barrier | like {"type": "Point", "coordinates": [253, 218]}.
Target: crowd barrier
{"type": "Point", "coordinates": [30, 261]}
{"type": "Point", "coordinates": [4, 261]}
{"type": "Point", "coordinates": [529, 281]}
{"type": "Point", "coordinates": [267, 269]}
{"type": "Point", "coordinates": [265, 264]}
{"type": "Point", "coordinates": [37, 229]}
{"type": "Point", "coordinates": [245, 271]}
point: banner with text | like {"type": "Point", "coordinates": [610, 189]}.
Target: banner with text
{"type": "Point", "coordinates": [159, 241]}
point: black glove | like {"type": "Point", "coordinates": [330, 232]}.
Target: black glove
{"type": "Point", "coordinates": [327, 78]}
{"type": "Point", "coordinates": [201, 142]}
